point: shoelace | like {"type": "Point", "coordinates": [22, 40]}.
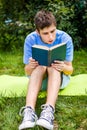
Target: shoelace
{"type": "Point", "coordinates": [29, 112]}
{"type": "Point", "coordinates": [48, 111]}
{"type": "Point", "coordinates": [21, 112]}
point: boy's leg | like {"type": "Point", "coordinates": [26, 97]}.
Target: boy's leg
{"type": "Point", "coordinates": [47, 115]}
{"type": "Point", "coordinates": [34, 86]}
{"type": "Point", "coordinates": [28, 112]}
{"type": "Point", "coordinates": [54, 82]}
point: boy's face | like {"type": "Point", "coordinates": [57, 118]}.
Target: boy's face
{"type": "Point", "coordinates": [48, 34]}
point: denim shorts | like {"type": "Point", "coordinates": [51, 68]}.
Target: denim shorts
{"type": "Point", "coordinates": [64, 83]}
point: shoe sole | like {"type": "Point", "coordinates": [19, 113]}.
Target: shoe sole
{"type": "Point", "coordinates": [26, 125]}
{"type": "Point", "coordinates": [44, 124]}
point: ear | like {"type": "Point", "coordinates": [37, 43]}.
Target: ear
{"type": "Point", "coordinates": [38, 32]}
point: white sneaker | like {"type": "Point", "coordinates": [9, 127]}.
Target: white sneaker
{"type": "Point", "coordinates": [46, 117]}
{"type": "Point", "coordinates": [29, 118]}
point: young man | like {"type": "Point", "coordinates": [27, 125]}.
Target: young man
{"type": "Point", "coordinates": [58, 73]}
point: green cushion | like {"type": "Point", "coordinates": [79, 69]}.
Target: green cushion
{"type": "Point", "coordinates": [77, 86]}
{"type": "Point", "coordinates": [11, 86]}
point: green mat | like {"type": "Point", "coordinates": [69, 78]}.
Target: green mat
{"type": "Point", "coordinates": [11, 86]}
{"type": "Point", "coordinates": [15, 86]}
{"type": "Point", "coordinates": [77, 86]}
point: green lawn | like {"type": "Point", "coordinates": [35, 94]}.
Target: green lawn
{"type": "Point", "coordinates": [71, 112]}
{"type": "Point", "coordinates": [12, 64]}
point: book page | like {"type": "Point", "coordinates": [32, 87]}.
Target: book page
{"type": "Point", "coordinates": [41, 47]}
{"type": "Point", "coordinates": [58, 45]}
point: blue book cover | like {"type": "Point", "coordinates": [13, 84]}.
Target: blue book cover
{"type": "Point", "coordinates": [45, 56]}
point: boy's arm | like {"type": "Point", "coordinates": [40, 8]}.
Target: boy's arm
{"type": "Point", "coordinates": [67, 68]}
{"type": "Point", "coordinates": [31, 66]}
{"type": "Point", "coordinates": [63, 66]}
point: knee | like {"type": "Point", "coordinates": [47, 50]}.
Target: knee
{"type": "Point", "coordinates": [41, 69]}
{"type": "Point", "coordinates": [51, 70]}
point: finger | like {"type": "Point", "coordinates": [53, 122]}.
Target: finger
{"type": "Point", "coordinates": [59, 62]}
{"type": "Point", "coordinates": [56, 61]}
{"type": "Point", "coordinates": [59, 69]}
{"type": "Point", "coordinates": [32, 60]}
{"type": "Point", "coordinates": [34, 66]}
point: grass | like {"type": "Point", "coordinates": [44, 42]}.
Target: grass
{"type": "Point", "coordinates": [80, 62]}
{"type": "Point", "coordinates": [71, 112]}
{"type": "Point", "coordinates": [12, 63]}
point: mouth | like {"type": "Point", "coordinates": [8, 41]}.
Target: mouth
{"type": "Point", "coordinates": [50, 41]}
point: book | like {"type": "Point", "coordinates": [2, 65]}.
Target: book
{"type": "Point", "coordinates": [45, 55]}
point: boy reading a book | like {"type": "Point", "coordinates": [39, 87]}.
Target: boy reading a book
{"type": "Point", "coordinates": [57, 73]}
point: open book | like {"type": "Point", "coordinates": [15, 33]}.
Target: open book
{"type": "Point", "coordinates": [45, 55]}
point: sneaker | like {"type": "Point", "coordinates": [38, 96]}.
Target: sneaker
{"type": "Point", "coordinates": [29, 118]}
{"type": "Point", "coordinates": [46, 117]}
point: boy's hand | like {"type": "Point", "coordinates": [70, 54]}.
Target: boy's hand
{"type": "Point", "coordinates": [33, 63]}
{"type": "Point", "coordinates": [58, 65]}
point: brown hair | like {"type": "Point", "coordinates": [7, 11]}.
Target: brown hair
{"type": "Point", "coordinates": [44, 19]}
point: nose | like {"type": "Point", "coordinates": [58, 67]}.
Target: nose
{"type": "Point", "coordinates": [50, 36]}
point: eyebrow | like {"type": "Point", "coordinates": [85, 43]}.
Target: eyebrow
{"type": "Point", "coordinates": [53, 30]}
{"type": "Point", "coordinates": [50, 31]}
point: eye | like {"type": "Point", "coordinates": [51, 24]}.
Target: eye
{"type": "Point", "coordinates": [53, 31]}
{"type": "Point", "coordinates": [45, 33]}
